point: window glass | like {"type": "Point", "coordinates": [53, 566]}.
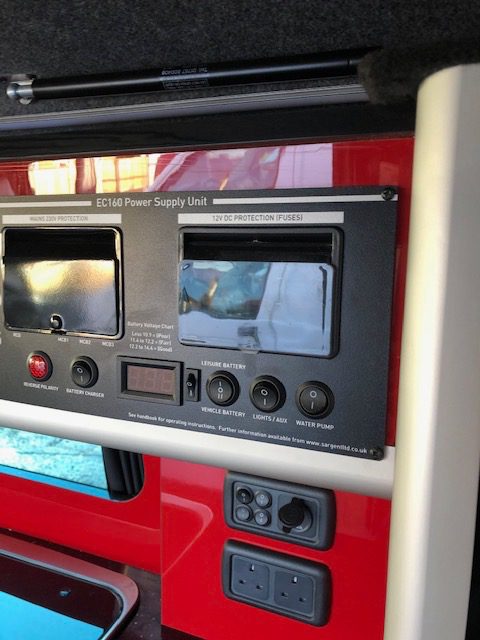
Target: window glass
{"type": "Point", "coordinates": [73, 465]}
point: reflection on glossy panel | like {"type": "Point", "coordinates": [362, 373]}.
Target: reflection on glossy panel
{"type": "Point", "coordinates": [280, 307]}
{"type": "Point", "coordinates": [62, 279]}
{"type": "Point", "coordinates": [307, 165]}
{"type": "Point", "coordinates": [82, 293]}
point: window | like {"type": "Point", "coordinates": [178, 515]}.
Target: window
{"type": "Point", "coordinates": [65, 463]}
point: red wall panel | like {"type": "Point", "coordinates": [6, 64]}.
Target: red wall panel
{"type": "Point", "coordinates": [127, 532]}
{"type": "Point", "coordinates": [194, 533]}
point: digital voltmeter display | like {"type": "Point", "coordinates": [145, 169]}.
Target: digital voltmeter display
{"type": "Point", "coordinates": [150, 380]}
{"type": "Point", "coordinates": [158, 380]}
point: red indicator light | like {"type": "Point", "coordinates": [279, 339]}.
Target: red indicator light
{"type": "Point", "coordinates": [39, 366]}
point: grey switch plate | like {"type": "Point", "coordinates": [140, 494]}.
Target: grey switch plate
{"type": "Point", "coordinates": [241, 512]}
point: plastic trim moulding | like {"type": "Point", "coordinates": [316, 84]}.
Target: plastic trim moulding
{"type": "Point", "coordinates": [315, 468]}
{"type": "Point", "coordinates": [438, 437]}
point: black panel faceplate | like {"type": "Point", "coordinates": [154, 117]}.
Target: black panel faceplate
{"type": "Point", "coordinates": [149, 227]}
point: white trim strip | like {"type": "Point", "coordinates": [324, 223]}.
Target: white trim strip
{"type": "Point", "coordinates": [303, 466]}
{"type": "Point", "coordinates": [301, 199]}
{"type": "Point", "coordinates": [64, 218]}
{"type": "Point", "coordinates": [438, 435]}
{"type": "Point", "coordinates": [264, 217]}
{"type": "Point", "coordinates": [53, 203]}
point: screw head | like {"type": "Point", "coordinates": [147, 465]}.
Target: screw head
{"type": "Point", "coordinates": [376, 453]}
{"type": "Point", "coordinates": [388, 193]}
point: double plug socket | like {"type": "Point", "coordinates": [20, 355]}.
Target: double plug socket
{"type": "Point", "coordinates": [277, 582]}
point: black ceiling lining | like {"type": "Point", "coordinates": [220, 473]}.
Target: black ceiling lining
{"type": "Point", "coordinates": [55, 38]}
{"type": "Point", "coordinates": [69, 37]}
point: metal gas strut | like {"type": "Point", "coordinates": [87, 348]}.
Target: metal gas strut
{"type": "Point", "coordinates": [305, 67]}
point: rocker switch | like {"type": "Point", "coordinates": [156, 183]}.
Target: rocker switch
{"type": "Point", "coordinates": [191, 385]}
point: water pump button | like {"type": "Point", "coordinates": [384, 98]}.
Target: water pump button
{"type": "Point", "coordinates": [314, 399]}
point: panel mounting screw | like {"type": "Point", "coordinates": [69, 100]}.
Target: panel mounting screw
{"type": "Point", "coordinates": [388, 193]}
{"type": "Point", "coordinates": [376, 453]}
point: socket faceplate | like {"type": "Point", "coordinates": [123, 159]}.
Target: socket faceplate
{"type": "Point", "coordinates": [280, 583]}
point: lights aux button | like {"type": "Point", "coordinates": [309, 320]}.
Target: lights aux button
{"type": "Point", "coordinates": [222, 388]}
{"type": "Point", "coordinates": [267, 394]}
{"type": "Point", "coordinates": [314, 399]}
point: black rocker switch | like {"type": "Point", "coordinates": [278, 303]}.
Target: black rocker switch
{"type": "Point", "coordinates": [295, 515]}
{"type": "Point", "coordinates": [191, 385]}
{"type": "Point", "coordinates": [84, 372]}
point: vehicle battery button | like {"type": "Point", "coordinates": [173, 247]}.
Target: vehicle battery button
{"type": "Point", "coordinates": [222, 388]}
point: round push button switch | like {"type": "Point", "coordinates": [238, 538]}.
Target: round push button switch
{"type": "Point", "coordinates": [267, 394]}
{"type": "Point", "coordinates": [84, 372]}
{"type": "Point", "coordinates": [263, 499]}
{"type": "Point", "coordinates": [39, 366]}
{"type": "Point", "coordinates": [243, 513]}
{"type": "Point", "coordinates": [262, 518]}
{"type": "Point", "coordinates": [244, 495]}
{"type": "Point", "coordinates": [314, 399]}
{"type": "Point", "coordinates": [222, 388]}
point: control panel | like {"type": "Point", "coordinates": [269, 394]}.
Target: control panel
{"type": "Point", "coordinates": [260, 315]}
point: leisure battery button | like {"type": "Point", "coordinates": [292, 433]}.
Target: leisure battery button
{"type": "Point", "coordinates": [84, 372]}
{"type": "Point", "coordinates": [267, 394]}
{"type": "Point", "coordinates": [314, 399]}
{"type": "Point", "coordinates": [222, 388]}
{"type": "Point", "coordinates": [39, 366]}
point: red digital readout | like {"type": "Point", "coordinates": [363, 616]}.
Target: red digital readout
{"type": "Point", "coordinates": [151, 380]}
